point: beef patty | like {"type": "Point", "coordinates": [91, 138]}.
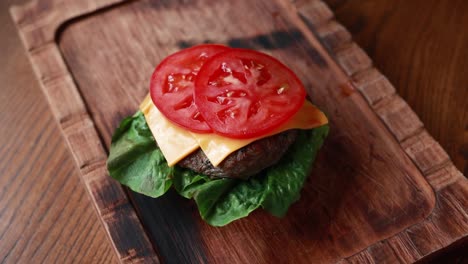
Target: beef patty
{"type": "Point", "coordinates": [246, 161]}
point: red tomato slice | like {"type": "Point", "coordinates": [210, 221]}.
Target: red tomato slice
{"type": "Point", "coordinates": [245, 93]}
{"type": "Point", "coordinates": [172, 85]}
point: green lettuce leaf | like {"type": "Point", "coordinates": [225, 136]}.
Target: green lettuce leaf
{"type": "Point", "coordinates": [286, 179]}
{"type": "Point", "coordinates": [187, 182]}
{"type": "Point", "coordinates": [221, 201]}
{"type": "Point", "coordinates": [136, 161]}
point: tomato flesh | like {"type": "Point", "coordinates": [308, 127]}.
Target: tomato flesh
{"type": "Point", "coordinates": [243, 93]}
{"type": "Point", "coordinates": [172, 86]}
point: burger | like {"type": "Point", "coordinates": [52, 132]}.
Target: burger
{"type": "Point", "coordinates": [230, 128]}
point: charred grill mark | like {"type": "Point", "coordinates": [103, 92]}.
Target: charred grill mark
{"type": "Point", "coordinates": [273, 40]}
{"type": "Point", "coordinates": [269, 41]}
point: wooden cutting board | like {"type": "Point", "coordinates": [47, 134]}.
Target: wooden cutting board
{"type": "Point", "coordinates": [382, 190]}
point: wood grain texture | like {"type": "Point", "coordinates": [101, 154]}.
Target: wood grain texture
{"type": "Point", "coordinates": [421, 47]}
{"type": "Point", "coordinates": [157, 36]}
{"type": "Point", "coordinates": [109, 199]}
{"type": "Point", "coordinates": [394, 205]}
{"type": "Point", "coordinates": [448, 222]}
{"type": "Point", "coordinates": [45, 213]}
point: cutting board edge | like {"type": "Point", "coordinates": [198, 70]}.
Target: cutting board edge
{"type": "Point", "coordinates": [38, 32]}
{"type": "Point", "coordinates": [423, 150]}
{"type": "Point", "coordinates": [38, 35]}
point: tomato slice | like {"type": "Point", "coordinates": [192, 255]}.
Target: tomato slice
{"type": "Point", "coordinates": [172, 85]}
{"type": "Point", "coordinates": [244, 93]}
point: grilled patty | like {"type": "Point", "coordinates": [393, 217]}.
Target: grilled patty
{"type": "Point", "coordinates": [246, 161]}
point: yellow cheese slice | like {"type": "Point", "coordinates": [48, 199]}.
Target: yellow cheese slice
{"type": "Point", "coordinates": [217, 147]}
{"type": "Point", "coordinates": [175, 142]}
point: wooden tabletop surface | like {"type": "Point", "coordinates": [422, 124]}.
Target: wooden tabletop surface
{"type": "Point", "coordinates": [45, 213]}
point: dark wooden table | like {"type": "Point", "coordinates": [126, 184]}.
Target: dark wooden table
{"type": "Point", "coordinates": [45, 214]}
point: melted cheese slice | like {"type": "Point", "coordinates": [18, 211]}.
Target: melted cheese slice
{"type": "Point", "coordinates": [176, 142]}
{"type": "Point", "coordinates": [217, 147]}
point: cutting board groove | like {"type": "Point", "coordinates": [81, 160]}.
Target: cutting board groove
{"type": "Point", "coordinates": [320, 227]}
